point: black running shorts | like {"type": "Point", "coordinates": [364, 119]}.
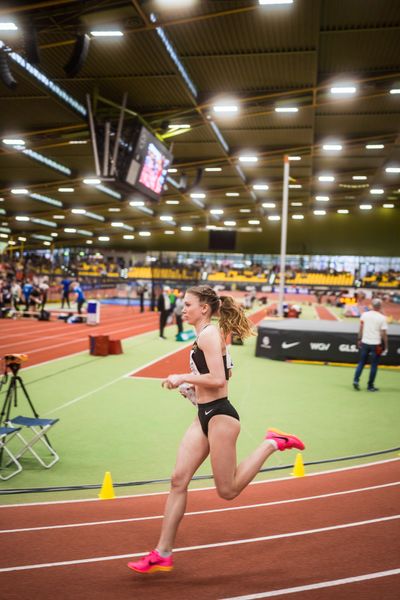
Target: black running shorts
{"type": "Point", "coordinates": [206, 411]}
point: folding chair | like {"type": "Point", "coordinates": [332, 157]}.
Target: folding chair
{"type": "Point", "coordinates": [6, 434]}
{"type": "Point", "coordinates": [39, 428]}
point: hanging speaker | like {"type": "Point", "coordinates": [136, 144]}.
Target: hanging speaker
{"type": "Point", "coordinates": [78, 56]}
{"type": "Point", "coordinates": [5, 72]}
{"type": "Point", "coordinates": [31, 44]}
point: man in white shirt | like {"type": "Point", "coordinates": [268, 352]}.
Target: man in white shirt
{"type": "Point", "coordinates": [372, 340]}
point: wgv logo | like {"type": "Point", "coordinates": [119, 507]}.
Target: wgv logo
{"type": "Point", "coordinates": [319, 346]}
{"type": "Point", "coordinates": [348, 348]}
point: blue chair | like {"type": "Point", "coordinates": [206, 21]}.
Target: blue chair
{"type": "Point", "coordinates": [39, 428]}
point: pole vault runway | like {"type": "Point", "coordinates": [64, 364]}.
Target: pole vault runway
{"type": "Point", "coordinates": [329, 536]}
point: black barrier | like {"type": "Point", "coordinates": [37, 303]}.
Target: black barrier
{"type": "Point", "coordinates": [322, 341]}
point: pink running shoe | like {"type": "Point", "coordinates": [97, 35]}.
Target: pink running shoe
{"type": "Point", "coordinates": [285, 441]}
{"type": "Point", "coordinates": [151, 563]}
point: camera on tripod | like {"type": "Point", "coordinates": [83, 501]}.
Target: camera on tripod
{"type": "Point", "coordinates": [14, 361]}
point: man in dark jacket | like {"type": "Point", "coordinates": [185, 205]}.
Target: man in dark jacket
{"type": "Point", "coordinates": [164, 308]}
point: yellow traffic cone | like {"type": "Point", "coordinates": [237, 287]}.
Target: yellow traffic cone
{"type": "Point", "coordinates": [107, 490]}
{"type": "Point", "coordinates": [298, 470]}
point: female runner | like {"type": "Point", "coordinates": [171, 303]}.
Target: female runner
{"type": "Point", "coordinates": [216, 427]}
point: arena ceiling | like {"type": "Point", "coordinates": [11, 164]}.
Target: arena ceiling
{"type": "Point", "coordinates": [176, 60]}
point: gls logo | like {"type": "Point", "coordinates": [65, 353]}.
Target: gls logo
{"type": "Point", "coordinates": [319, 346]}
{"type": "Point", "coordinates": [348, 348]}
{"type": "Point", "coordinates": [265, 342]}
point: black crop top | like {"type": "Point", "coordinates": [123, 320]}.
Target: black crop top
{"type": "Point", "coordinates": [198, 360]}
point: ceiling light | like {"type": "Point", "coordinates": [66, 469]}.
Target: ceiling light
{"type": "Point", "coordinates": [274, 218]}
{"type": "Point", "coordinates": [172, 202]}
{"type": "Point", "coordinates": [8, 26]}
{"type": "Point", "coordinates": [89, 242]}
{"type": "Point", "coordinates": [198, 195]}
{"type": "Point", "coordinates": [66, 190]}
{"type": "Point", "coordinates": [166, 218]}
{"type": "Point", "coordinates": [296, 204]}
{"type": "Point", "coordinates": [232, 194]}
{"type": "Point", "coordinates": [260, 186]}
{"type": "Point", "coordinates": [297, 217]}
{"type": "Point", "coordinates": [145, 233]}
{"type": "Point", "coordinates": [13, 142]}
{"type": "Point", "coordinates": [365, 206]}
{"type": "Point", "coordinates": [46, 243]}
{"type": "Point", "coordinates": [272, 2]}
{"type": "Point", "coordinates": [225, 108]}
{"type": "Point", "coordinates": [322, 198]}
{"type": "Point", "coordinates": [91, 181]}
{"type": "Point", "coordinates": [326, 178]}
{"type": "Point", "coordinates": [117, 224]}
{"type": "Point", "coordinates": [216, 211]}
{"type": "Point", "coordinates": [54, 234]}
{"type": "Point", "coordinates": [136, 203]}
{"type": "Point", "coordinates": [343, 211]}
{"type": "Point", "coordinates": [319, 213]}
{"type": "Point", "coordinates": [59, 217]}
{"type": "Point", "coordinates": [376, 191]}
{"type": "Point", "coordinates": [333, 147]}
{"type": "Point", "coordinates": [294, 157]}
{"type": "Point", "coordinates": [105, 33]}
{"type": "Point", "coordinates": [359, 177]}
{"type": "Point", "coordinates": [395, 91]}
{"type": "Point", "coordinates": [248, 158]}
{"type": "Point", "coordinates": [114, 210]}
{"type": "Point", "coordinates": [19, 191]}
{"type": "Point", "coordinates": [343, 89]}
{"type": "Point", "coordinates": [213, 169]}
{"type": "Point", "coordinates": [295, 186]}
{"type": "Point", "coordinates": [388, 206]}
{"type": "Point", "coordinates": [179, 126]}
{"type": "Point", "coordinates": [392, 169]}
{"type": "Point", "coordinates": [268, 205]}
{"type": "Point", "coordinates": [245, 210]}
{"type": "Point", "coordinates": [229, 223]}
{"type": "Point", "coordinates": [186, 228]}
{"type": "Point", "coordinates": [374, 146]}
{"type": "Point", "coordinates": [78, 211]}
{"type": "Point", "coordinates": [21, 218]}
{"type": "Point", "coordinates": [169, 232]}
{"type": "Point", "coordinates": [22, 239]}
{"type": "Point", "coordinates": [172, 170]}
{"type": "Point", "coordinates": [3, 235]}
{"type": "Point", "coordinates": [103, 238]}
{"type": "Point", "coordinates": [253, 222]}
{"type": "Point", "coordinates": [69, 230]}
{"type": "Point", "coordinates": [286, 109]}
{"type": "Point", "coordinates": [128, 236]}
{"type": "Point", "coordinates": [78, 142]}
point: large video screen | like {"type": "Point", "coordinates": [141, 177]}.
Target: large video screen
{"type": "Point", "coordinates": [149, 165]}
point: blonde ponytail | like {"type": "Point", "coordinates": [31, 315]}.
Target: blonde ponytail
{"type": "Point", "coordinates": [233, 319]}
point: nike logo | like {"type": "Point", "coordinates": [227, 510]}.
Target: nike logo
{"type": "Point", "coordinates": [207, 412]}
{"type": "Point", "coordinates": [289, 345]}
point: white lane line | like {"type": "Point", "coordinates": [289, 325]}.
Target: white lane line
{"type": "Point", "coordinates": [204, 546]}
{"type": "Point", "coordinates": [205, 512]}
{"type": "Point", "coordinates": [317, 586]}
{"type": "Point", "coordinates": [203, 489]}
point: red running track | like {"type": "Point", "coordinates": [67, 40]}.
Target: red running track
{"type": "Point", "coordinates": [276, 535]}
{"type": "Point", "coordinates": [325, 314]}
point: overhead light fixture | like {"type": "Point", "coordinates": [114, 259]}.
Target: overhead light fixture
{"type": "Point", "coordinates": [19, 191]}
{"type": "Point", "coordinates": [213, 169]}
{"type": "Point", "coordinates": [388, 205]}
{"type": "Point", "coordinates": [8, 26]}
{"type": "Point", "coordinates": [247, 158]}
{"type": "Point", "coordinates": [136, 203]}
{"type": "Point", "coordinates": [114, 210]}
{"type": "Point", "coordinates": [374, 146]}
{"type": "Point", "coordinates": [296, 204]}
{"type": "Point", "coordinates": [319, 213]}
{"type": "Point", "coordinates": [197, 195]}
{"type": "Point", "coordinates": [344, 89]}
{"type": "Point", "coordinates": [166, 218]}
{"type": "Point", "coordinates": [343, 211]}
{"type": "Point", "coordinates": [232, 194]}
{"type": "Point", "coordinates": [91, 181]}
{"type": "Point", "coordinates": [66, 190]}
{"type": "Point", "coordinates": [274, 218]}
{"type": "Point", "coordinates": [274, 2]}
{"type": "Point", "coordinates": [376, 191]}
{"type": "Point", "coordinates": [295, 186]}
{"type": "Point", "coordinates": [365, 206]}
{"type": "Point", "coordinates": [392, 169]}
{"type": "Point", "coordinates": [286, 109]}
{"type": "Point", "coordinates": [69, 230]}
{"type": "Point", "coordinates": [261, 186]}
{"type": "Point", "coordinates": [216, 211]}
{"type": "Point", "coordinates": [128, 236]}
{"type": "Point", "coordinates": [172, 202]}
{"type": "Point", "coordinates": [78, 211]}
{"type": "Point", "coordinates": [225, 108]}
{"type": "Point", "coordinates": [46, 200]}
{"type": "Point", "coordinates": [179, 126]}
{"type": "Point", "coordinates": [13, 142]}
{"type": "Point", "coordinates": [322, 198]}
{"type": "Point", "coordinates": [169, 232]}
{"type": "Point", "coordinates": [332, 147]}
{"type": "Point", "coordinates": [186, 228]}
{"type": "Point", "coordinates": [59, 217]}
{"type": "Point", "coordinates": [107, 33]}
{"type": "Point", "coordinates": [298, 217]}
{"type": "Point", "coordinates": [144, 233]}
{"type": "Point", "coordinates": [94, 216]}
{"type": "Point", "coordinates": [22, 218]}
{"type": "Point", "coordinates": [78, 142]}
{"type": "Point", "coordinates": [395, 91]}
{"type": "Point", "coordinates": [103, 238]}
{"type": "Point", "coordinates": [117, 224]}
{"type": "Point", "coordinates": [245, 210]}
{"type": "Point", "coordinates": [89, 242]}
{"type": "Point", "coordinates": [22, 239]}
{"type": "Point", "coordinates": [172, 170]}
{"type": "Point", "coordinates": [268, 205]}
{"type": "Point", "coordinates": [253, 222]}
{"type": "Point", "coordinates": [359, 177]}
{"type": "Point", "coordinates": [326, 178]}
{"type": "Point", "coordinates": [54, 234]}
{"type": "Point", "coordinates": [229, 223]}
{"type": "Point", "coordinates": [294, 157]}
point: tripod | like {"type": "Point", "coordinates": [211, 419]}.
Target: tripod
{"type": "Point", "coordinates": [12, 396]}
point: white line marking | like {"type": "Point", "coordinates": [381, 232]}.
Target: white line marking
{"type": "Point", "coordinates": [204, 489]}
{"type": "Point", "coordinates": [316, 586]}
{"type": "Point", "coordinates": [205, 546]}
{"type": "Point", "coordinates": [204, 512]}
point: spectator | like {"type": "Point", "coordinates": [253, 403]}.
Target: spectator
{"type": "Point", "coordinates": [65, 290]}
{"type": "Point", "coordinates": [80, 297]}
{"type": "Point", "coordinates": [178, 309]}
{"type": "Point", "coordinates": [27, 289]}
{"type": "Point", "coordinates": [164, 308]}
